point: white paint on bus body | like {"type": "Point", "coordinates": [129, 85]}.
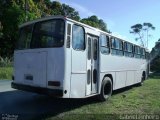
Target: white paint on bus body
{"type": "Point", "coordinates": [70, 67]}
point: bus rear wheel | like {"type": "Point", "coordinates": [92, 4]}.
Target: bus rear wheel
{"type": "Point", "coordinates": [143, 78]}
{"type": "Point", "coordinates": [106, 89]}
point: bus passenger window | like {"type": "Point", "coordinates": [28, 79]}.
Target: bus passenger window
{"type": "Point", "coordinates": [137, 53]}
{"type": "Point", "coordinates": [104, 44]}
{"type": "Point", "coordinates": [142, 53]}
{"type": "Point", "coordinates": [128, 49]}
{"type": "Point", "coordinates": [117, 47]}
{"type": "Point", "coordinates": [68, 35]}
{"type": "Point", "coordinates": [78, 39]}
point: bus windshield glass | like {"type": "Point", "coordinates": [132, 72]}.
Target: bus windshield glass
{"type": "Point", "coordinates": [45, 34]}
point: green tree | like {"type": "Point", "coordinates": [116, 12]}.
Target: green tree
{"type": "Point", "coordinates": [56, 8]}
{"type": "Point", "coordinates": [1, 28]}
{"type": "Point", "coordinates": [155, 64]}
{"type": "Point", "coordinates": [9, 20]}
{"type": "Point", "coordinates": [103, 26]}
{"type": "Point", "coordinates": [94, 18]}
{"type": "Point", "coordinates": [89, 22]}
{"type": "Point", "coordinates": [147, 27]}
{"type": "Point", "coordinates": [137, 29]}
{"type": "Point", "coordinates": [15, 12]}
{"type": "Point", "coordinates": [95, 22]}
{"type": "Point", "coordinates": [70, 12]}
{"type": "Point", "coordinates": [142, 30]}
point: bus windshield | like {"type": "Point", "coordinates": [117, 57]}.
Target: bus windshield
{"type": "Point", "coordinates": [45, 34]}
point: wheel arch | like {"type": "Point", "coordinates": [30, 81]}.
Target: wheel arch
{"type": "Point", "coordinates": [144, 74]}
{"type": "Point", "coordinates": [110, 76]}
{"type": "Point", "coordinates": [105, 90]}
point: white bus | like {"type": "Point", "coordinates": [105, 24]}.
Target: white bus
{"type": "Point", "coordinates": [61, 57]}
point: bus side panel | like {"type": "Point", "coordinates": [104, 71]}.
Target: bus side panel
{"type": "Point", "coordinates": [114, 64]}
{"type": "Point", "coordinates": [67, 62]}
{"type": "Point", "coordinates": [78, 85]}
{"type": "Point", "coordinates": [138, 75]}
{"type": "Point", "coordinates": [79, 73]}
{"type": "Point", "coordinates": [120, 79]}
{"type": "Point", "coordinates": [128, 71]}
{"type": "Point", "coordinates": [130, 78]}
{"type": "Point", "coordinates": [141, 66]}
{"type": "Point", "coordinates": [67, 78]}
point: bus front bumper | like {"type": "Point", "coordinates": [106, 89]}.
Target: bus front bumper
{"type": "Point", "coordinates": [40, 90]}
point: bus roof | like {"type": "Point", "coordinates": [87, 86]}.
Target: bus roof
{"type": "Point", "coordinates": [41, 19]}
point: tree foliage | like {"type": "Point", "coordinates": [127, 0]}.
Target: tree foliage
{"type": "Point", "coordinates": [70, 12]}
{"type": "Point", "coordinates": [155, 65]}
{"type": "Point", "coordinates": [95, 22]}
{"type": "Point", "coordinates": [142, 30]}
{"type": "Point", "coordinates": [15, 12]}
{"type": "Point", "coordinates": [155, 57]}
{"type": "Point", "coordinates": [11, 16]}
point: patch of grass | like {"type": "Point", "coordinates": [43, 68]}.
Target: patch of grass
{"type": "Point", "coordinates": [135, 100]}
{"type": "Point", "coordinates": [6, 73]}
{"type": "Point", "coordinates": [6, 62]}
{"type": "Point", "coordinates": [155, 77]}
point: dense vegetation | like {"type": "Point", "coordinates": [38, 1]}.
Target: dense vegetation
{"type": "Point", "coordinates": [155, 58]}
{"type": "Point", "coordinates": [6, 73]}
{"type": "Point", "coordinates": [155, 64]}
{"type": "Point", "coordinates": [15, 12]}
{"type": "Point", "coordinates": [6, 69]}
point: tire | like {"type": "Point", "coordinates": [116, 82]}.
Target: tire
{"type": "Point", "coordinates": [106, 89]}
{"type": "Point", "coordinates": [142, 79]}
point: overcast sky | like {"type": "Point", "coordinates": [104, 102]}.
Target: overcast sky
{"type": "Point", "coordinates": [120, 15]}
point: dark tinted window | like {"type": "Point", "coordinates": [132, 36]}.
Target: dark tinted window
{"type": "Point", "coordinates": [48, 34]}
{"type": "Point", "coordinates": [117, 47]}
{"type": "Point", "coordinates": [117, 44]}
{"type": "Point", "coordinates": [147, 56]}
{"type": "Point", "coordinates": [104, 40]}
{"type": "Point", "coordinates": [88, 76]}
{"type": "Point", "coordinates": [95, 50]}
{"type": "Point", "coordinates": [128, 49]}
{"type": "Point", "coordinates": [142, 53]}
{"type": "Point", "coordinates": [89, 48]}
{"type": "Point", "coordinates": [68, 29]}
{"type": "Point", "coordinates": [68, 35]}
{"type": "Point", "coordinates": [25, 37]}
{"type": "Point", "coordinates": [78, 39]}
{"type": "Point", "coordinates": [137, 52]}
{"type": "Point", "coordinates": [94, 75]}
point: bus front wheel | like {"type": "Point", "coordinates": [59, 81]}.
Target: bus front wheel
{"type": "Point", "coordinates": [106, 89]}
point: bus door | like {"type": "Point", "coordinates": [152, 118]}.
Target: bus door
{"type": "Point", "coordinates": [92, 65]}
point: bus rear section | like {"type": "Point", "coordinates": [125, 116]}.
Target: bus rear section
{"type": "Point", "coordinates": [39, 58]}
